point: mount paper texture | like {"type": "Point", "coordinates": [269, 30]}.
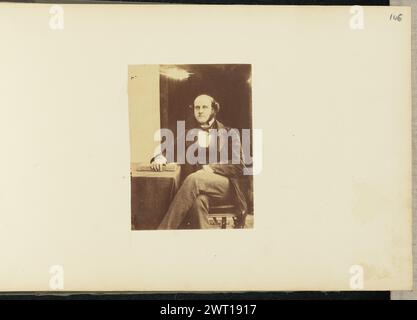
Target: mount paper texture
{"type": "Point", "coordinates": [331, 94]}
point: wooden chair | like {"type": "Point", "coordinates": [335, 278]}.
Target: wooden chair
{"type": "Point", "coordinates": [226, 216]}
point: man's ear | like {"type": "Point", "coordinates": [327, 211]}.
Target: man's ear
{"type": "Point", "coordinates": [216, 106]}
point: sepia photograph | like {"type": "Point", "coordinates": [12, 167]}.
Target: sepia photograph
{"type": "Point", "coordinates": [191, 161]}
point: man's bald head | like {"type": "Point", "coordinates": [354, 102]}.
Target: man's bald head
{"type": "Point", "coordinates": [203, 99]}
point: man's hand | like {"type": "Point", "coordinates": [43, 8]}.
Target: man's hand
{"type": "Point", "coordinates": [158, 163]}
{"type": "Point", "coordinates": [207, 168]}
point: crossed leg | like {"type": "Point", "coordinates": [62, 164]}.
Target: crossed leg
{"type": "Point", "coordinates": [193, 198]}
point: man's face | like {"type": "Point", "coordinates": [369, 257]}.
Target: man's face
{"type": "Point", "coordinates": [203, 111]}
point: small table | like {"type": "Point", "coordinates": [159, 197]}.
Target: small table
{"type": "Point", "coordinates": [151, 195]}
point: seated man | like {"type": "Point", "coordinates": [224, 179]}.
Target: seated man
{"type": "Point", "coordinates": [205, 180]}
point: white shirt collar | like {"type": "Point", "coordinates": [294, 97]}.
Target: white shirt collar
{"type": "Point", "coordinates": [209, 124]}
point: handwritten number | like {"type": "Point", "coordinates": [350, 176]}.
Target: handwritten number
{"type": "Point", "coordinates": [396, 17]}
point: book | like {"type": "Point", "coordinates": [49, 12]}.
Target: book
{"type": "Point", "coordinates": [147, 167]}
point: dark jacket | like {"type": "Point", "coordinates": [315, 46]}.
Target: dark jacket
{"type": "Point", "coordinates": [241, 184]}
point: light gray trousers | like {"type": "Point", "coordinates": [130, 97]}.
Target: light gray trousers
{"type": "Point", "coordinates": [193, 198]}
